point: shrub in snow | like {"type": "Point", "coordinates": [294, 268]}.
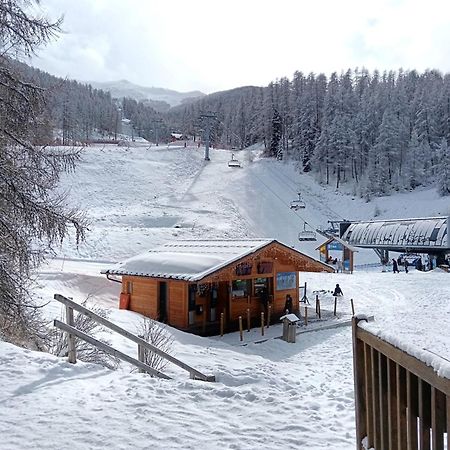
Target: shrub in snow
{"type": "Point", "coordinates": [85, 352]}
{"type": "Point", "coordinates": [156, 334]}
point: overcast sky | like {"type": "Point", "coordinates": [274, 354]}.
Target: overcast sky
{"type": "Point", "coordinates": [212, 45]}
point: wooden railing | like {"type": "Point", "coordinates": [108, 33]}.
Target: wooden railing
{"type": "Point", "coordinates": [142, 344]}
{"type": "Point", "coordinates": [400, 402]}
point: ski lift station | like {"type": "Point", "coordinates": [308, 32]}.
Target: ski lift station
{"type": "Point", "coordinates": [190, 284]}
{"type": "Point", "coordinates": [429, 235]}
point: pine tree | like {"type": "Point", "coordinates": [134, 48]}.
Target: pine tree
{"type": "Point", "coordinates": [443, 172]}
{"type": "Point", "coordinates": [32, 216]}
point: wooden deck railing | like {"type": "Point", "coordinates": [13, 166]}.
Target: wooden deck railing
{"type": "Point", "coordinates": [400, 402]}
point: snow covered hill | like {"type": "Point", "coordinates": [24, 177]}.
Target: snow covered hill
{"type": "Point", "coordinates": [270, 395]}
{"type": "Point", "coordinates": [124, 88]}
{"type": "Point", "coordinates": [139, 197]}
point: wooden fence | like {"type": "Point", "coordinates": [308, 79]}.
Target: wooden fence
{"type": "Point", "coordinates": [142, 345]}
{"type": "Point", "coordinates": [400, 402]}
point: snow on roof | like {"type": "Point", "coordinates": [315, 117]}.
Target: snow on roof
{"type": "Point", "coordinates": [422, 233]}
{"type": "Point", "coordinates": [291, 317]}
{"type": "Point", "coordinates": [190, 260]}
{"type": "Point", "coordinates": [177, 135]}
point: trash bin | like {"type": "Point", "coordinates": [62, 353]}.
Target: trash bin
{"type": "Point", "coordinates": [289, 327]}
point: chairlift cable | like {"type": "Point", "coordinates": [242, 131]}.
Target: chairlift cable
{"type": "Point", "coordinates": [296, 190]}
{"type": "Point", "coordinates": [282, 200]}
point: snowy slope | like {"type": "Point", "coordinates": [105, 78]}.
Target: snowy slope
{"type": "Point", "coordinates": [268, 395]}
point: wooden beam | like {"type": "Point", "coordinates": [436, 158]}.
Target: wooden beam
{"type": "Point", "coordinates": [401, 406]}
{"type": "Point", "coordinates": [359, 379]}
{"type": "Point", "coordinates": [414, 365]}
{"type": "Point", "coordinates": [197, 374]}
{"type": "Point", "coordinates": [368, 395]}
{"type": "Point", "coordinates": [437, 419]}
{"type": "Point", "coordinates": [108, 349]}
{"type": "Point", "coordinates": [411, 411]}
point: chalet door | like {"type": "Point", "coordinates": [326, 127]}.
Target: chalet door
{"type": "Point", "coordinates": [213, 304]}
{"type": "Point", "coordinates": [162, 296]}
{"type": "Point", "coordinates": [191, 303]}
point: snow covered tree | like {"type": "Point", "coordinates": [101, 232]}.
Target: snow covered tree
{"type": "Point", "coordinates": [443, 172]}
{"type": "Point", "coordinates": [32, 216]}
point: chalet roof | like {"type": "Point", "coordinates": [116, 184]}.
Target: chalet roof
{"type": "Point", "coordinates": [335, 238]}
{"type": "Point", "coordinates": [192, 260]}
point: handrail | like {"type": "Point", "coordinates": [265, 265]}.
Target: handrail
{"type": "Point", "coordinates": [194, 373]}
{"type": "Point", "coordinates": [108, 349]}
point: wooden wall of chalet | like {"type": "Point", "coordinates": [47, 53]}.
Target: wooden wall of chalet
{"type": "Point", "coordinates": [144, 298]}
{"type": "Point", "coordinates": [143, 295]}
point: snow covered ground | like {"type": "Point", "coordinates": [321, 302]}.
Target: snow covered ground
{"type": "Point", "coordinates": [267, 395]}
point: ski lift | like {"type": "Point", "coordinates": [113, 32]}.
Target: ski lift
{"type": "Point", "coordinates": [234, 162]}
{"type": "Point", "coordinates": [307, 235]}
{"type": "Point", "coordinates": [299, 203]}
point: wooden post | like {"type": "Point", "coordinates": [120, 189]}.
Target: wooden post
{"type": "Point", "coordinates": [141, 356]}
{"type": "Point", "coordinates": [317, 302]}
{"type": "Point", "coordinates": [269, 313]}
{"type": "Point", "coordinates": [359, 385]}
{"type": "Point", "coordinates": [306, 315]}
{"type": "Point", "coordinates": [335, 305]}
{"type": "Point", "coordinates": [204, 319]}
{"type": "Point", "coordinates": [262, 323]}
{"type": "Point", "coordinates": [221, 324]}
{"type": "Point", "coordinates": [241, 336]}
{"type": "Point", "coordinates": [248, 320]}
{"type": "Point", "coordinates": [72, 349]}
{"type": "Point", "coordinates": [318, 306]}
{"type": "Point", "coordinates": [353, 307]}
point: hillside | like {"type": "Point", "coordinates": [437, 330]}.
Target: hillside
{"type": "Point", "coordinates": [267, 395]}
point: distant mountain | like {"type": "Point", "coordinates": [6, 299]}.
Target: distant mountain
{"type": "Point", "coordinates": [156, 97]}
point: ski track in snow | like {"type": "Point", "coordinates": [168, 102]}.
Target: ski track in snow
{"type": "Point", "coordinates": [268, 395]}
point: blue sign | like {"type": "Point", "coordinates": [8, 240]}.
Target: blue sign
{"type": "Point", "coordinates": [286, 280]}
{"type": "Point", "coordinates": [335, 246]}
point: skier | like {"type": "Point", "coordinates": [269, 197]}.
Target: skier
{"type": "Point", "coordinates": [406, 265]}
{"type": "Point", "coordinates": [395, 266]}
{"type": "Point", "coordinates": [337, 291]}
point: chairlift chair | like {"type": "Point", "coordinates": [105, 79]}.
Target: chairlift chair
{"type": "Point", "coordinates": [233, 162]}
{"type": "Point", "coordinates": [298, 204]}
{"type": "Point", "coordinates": [307, 235]}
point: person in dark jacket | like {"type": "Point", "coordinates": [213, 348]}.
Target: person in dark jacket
{"type": "Point", "coordinates": [337, 291]}
{"type": "Point", "coordinates": [264, 297]}
{"type": "Point", "coordinates": [395, 266]}
{"type": "Point", "coordinates": [288, 304]}
{"type": "Point", "coordinates": [406, 265]}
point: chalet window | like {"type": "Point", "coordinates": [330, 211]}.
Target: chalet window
{"type": "Point", "coordinates": [265, 267]}
{"type": "Point", "coordinates": [244, 269]}
{"type": "Point", "coordinates": [129, 287]}
{"type": "Point", "coordinates": [260, 284]}
{"type": "Point", "coordinates": [241, 288]}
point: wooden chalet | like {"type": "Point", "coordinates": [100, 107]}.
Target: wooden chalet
{"type": "Point", "coordinates": [188, 284]}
